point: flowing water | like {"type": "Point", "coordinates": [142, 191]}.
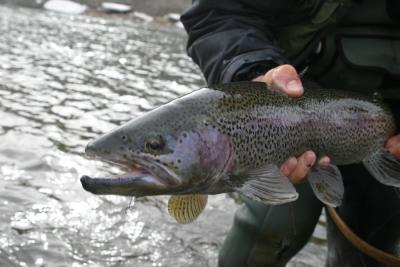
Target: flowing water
{"type": "Point", "coordinates": [63, 81]}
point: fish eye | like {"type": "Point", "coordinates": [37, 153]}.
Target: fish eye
{"type": "Point", "coordinates": [154, 145]}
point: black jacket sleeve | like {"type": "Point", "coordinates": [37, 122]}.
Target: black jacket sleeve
{"type": "Point", "coordinates": [227, 38]}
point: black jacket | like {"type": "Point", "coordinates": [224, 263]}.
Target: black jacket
{"type": "Point", "coordinates": [228, 37]}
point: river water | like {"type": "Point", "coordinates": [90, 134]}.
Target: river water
{"type": "Point", "coordinates": [65, 80]}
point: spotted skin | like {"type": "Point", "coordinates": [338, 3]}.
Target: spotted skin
{"type": "Point", "coordinates": [216, 134]}
{"type": "Point", "coordinates": [268, 127]}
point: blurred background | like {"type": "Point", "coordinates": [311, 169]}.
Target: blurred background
{"type": "Point", "coordinates": [70, 71]}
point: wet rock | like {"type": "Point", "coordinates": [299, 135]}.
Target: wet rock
{"type": "Point", "coordinates": [22, 226]}
{"type": "Point", "coordinates": [173, 17]}
{"type": "Point", "coordinates": [143, 16]}
{"type": "Point", "coordinates": [65, 6]}
{"type": "Point", "coordinates": [111, 7]}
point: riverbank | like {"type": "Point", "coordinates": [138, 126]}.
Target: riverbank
{"type": "Point", "coordinates": [150, 7]}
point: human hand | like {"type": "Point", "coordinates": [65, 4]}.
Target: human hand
{"type": "Point", "coordinates": [285, 79]}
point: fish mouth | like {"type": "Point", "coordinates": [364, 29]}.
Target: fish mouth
{"type": "Point", "coordinates": [145, 177]}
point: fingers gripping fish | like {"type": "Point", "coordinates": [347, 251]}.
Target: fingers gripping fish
{"type": "Point", "coordinates": [233, 137]}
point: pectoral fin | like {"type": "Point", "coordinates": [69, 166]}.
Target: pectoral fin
{"type": "Point", "coordinates": [268, 185]}
{"type": "Point", "coordinates": [384, 167]}
{"type": "Point", "coordinates": [327, 184]}
{"type": "Point", "coordinates": [186, 208]}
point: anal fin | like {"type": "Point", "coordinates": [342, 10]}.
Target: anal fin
{"type": "Point", "coordinates": [327, 184]}
{"type": "Point", "coordinates": [268, 185]}
{"type": "Point", "coordinates": [186, 208]}
{"type": "Point", "coordinates": [384, 167]}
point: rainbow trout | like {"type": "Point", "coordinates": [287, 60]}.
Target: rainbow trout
{"type": "Point", "coordinates": [233, 137]}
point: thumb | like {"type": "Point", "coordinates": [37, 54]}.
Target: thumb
{"type": "Point", "coordinates": [284, 79]}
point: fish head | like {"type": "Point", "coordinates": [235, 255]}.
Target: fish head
{"type": "Point", "coordinates": [167, 151]}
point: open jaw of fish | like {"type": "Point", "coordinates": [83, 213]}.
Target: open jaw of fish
{"type": "Point", "coordinates": [144, 177]}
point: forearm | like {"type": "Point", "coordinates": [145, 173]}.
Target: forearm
{"type": "Point", "coordinates": [231, 43]}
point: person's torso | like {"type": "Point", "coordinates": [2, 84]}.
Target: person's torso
{"type": "Point", "coordinates": [363, 52]}
{"type": "Point", "coordinates": [348, 44]}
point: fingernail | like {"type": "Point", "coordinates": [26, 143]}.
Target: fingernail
{"type": "Point", "coordinates": [324, 160]}
{"type": "Point", "coordinates": [294, 87]}
{"type": "Point", "coordinates": [309, 159]}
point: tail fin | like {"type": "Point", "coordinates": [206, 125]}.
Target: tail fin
{"type": "Point", "coordinates": [384, 167]}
